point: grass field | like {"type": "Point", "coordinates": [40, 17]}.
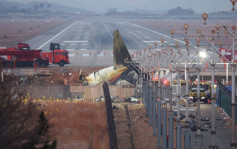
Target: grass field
{"type": "Point", "coordinates": [13, 32]}
{"type": "Point", "coordinates": [77, 124]}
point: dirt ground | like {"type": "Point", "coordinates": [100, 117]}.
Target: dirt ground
{"type": "Point", "coordinates": [140, 134]}
{"type": "Point", "coordinates": [13, 32]}
{"type": "Point", "coordinates": [58, 75]}
{"type": "Point", "coordinates": [77, 124]}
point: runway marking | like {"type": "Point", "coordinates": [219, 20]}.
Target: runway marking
{"type": "Point", "coordinates": [74, 41]}
{"type": "Point", "coordinates": [159, 42]}
{"type": "Point", "coordinates": [138, 37]}
{"type": "Point", "coordinates": [157, 33]}
{"type": "Point", "coordinates": [73, 44]}
{"type": "Point", "coordinates": [84, 44]}
{"type": "Point", "coordinates": [77, 37]}
{"type": "Point", "coordinates": [150, 41]}
{"type": "Point", "coordinates": [57, 35]}
{"type": "Point", "coordinates": [86, 23]}
{"type": "Point", "coordinates": [71, 55]}
{"type": "Point", "coordinates": [83, 49]}
{"type": "Point", "coordinates": [86, 37]}
{"type": "Point", "coordinates": [85, 55]}
{"type": "Point", "coordinates": [100, 55]}
{"type": "Point", "coordinates": [70, 49]}
{"type": "Point", "coordinates": [147, 37]}
{"type": "Point", "coordinates": [107, 30]}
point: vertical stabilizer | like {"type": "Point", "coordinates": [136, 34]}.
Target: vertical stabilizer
{"type": "Point", "coordinates": [120, 51]}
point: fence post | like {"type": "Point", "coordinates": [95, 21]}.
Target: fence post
{"type": "Point", "coordinates": [171, 130]}
{"type": "Point", "coordinates": [187, 140]}
{"type": "Point", "coordinates": [159, 124]}
{"type": "Point", "coordinates": [178, 136]}
{"type": "Point", "coordinates": [164, 134]}
{"type": "Point", "coordinates": [233, 102]}
{"type": "Point", "coordinates": [150, 103]}
{"type": "Point", "coordinates": [154, 109]}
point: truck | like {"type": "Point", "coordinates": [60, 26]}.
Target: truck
{"type": "Point", "coordinates": [205, 91]}
{"type": "Point", "coordinates": [23, 56]}
{"type": "Point", "coordinates": [56, 55]}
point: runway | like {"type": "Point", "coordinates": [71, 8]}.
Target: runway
{"type": "Point", "coordinates": [90, 43]}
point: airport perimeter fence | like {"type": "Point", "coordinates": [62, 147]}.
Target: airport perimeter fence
{"type": "Point", "coordinates": [162, 119]}
{"type": "Point", "coordinates": [224, 99]}
{"type": "Point", "coordinates": [110, 118]}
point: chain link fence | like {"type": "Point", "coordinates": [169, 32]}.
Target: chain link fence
{"type": "Point", "coordinates": [224, 99]}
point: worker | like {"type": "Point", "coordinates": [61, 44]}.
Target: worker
{"type": "Point", "coordinates": [80, 74]}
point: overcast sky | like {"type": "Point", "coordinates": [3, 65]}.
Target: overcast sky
{"type": "Point", "coordinates": [198, 6]}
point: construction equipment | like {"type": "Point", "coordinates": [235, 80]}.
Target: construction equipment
{"type": "Point", "coordinates": [23, 56]}
{"type": "Point", "coordinates": [205, 91]}
{"type": "Point", "coordinates": [56, 55]}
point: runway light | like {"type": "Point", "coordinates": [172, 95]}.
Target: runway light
{"type": "Point", "coordinates": [165, 82]}
{"type": "Point", "coordinates": [203, 54]}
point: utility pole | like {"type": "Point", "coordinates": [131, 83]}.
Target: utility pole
{"type": "Point", "coordinates": [178, 131]}
{"type": "Point", "coordinates": [179, 95]}
{"type": "Point", "coordinates": [164, 86]}
{"type": "Point", "coordinates": [171, 102]}
{"type": "Point", "coordinates": [213, 129]}
{"type": "Point", "coordinates": [198, 136]}
{"type": "Point", "coordinates": [213, 125]}
{"type": "Point", "coordinates": [159, 85]}
{"type": "Point", "coordinates": [187, 86]}
{"type": "Point", "coordinates": [233, 66]}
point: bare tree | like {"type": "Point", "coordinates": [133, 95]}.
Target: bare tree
{"type": "Point", "coordinates": [22, 126]}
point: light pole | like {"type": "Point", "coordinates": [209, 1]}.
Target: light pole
{"type": "Point", "coordinates": [233, 66]}
{"type": "Point", "coordinates": [187, 86]}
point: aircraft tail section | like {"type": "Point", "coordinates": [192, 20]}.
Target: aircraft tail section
{"type": "Point", "coordinates": [120, 51]}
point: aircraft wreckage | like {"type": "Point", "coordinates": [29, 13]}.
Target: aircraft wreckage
{"type": "Point", "coordinates": [123, 69]}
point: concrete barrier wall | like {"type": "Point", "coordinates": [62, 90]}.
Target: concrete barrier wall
{"type": "Point", "coordinates": [89, 92]}
{"type": "Point", "coordinates": [46, 91]}
{"type": "Point", "coordinates": [97, 91]}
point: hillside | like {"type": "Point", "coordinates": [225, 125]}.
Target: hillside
{"type": "Point", "coordinates": [36, 7]}
{"type": "Point", "coordinates": [179, 11]}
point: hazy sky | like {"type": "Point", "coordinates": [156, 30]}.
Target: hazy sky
{"type": "Point", "coordinates": [198, 6]}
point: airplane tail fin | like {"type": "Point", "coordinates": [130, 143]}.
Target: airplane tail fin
{"type": "Point", "coordinates": [120, 51]}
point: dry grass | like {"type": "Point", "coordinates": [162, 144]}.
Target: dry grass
{"type": "Point", "coordinates": [77, 124]}
{"type": "Point", "coordinates": [20, 31]}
